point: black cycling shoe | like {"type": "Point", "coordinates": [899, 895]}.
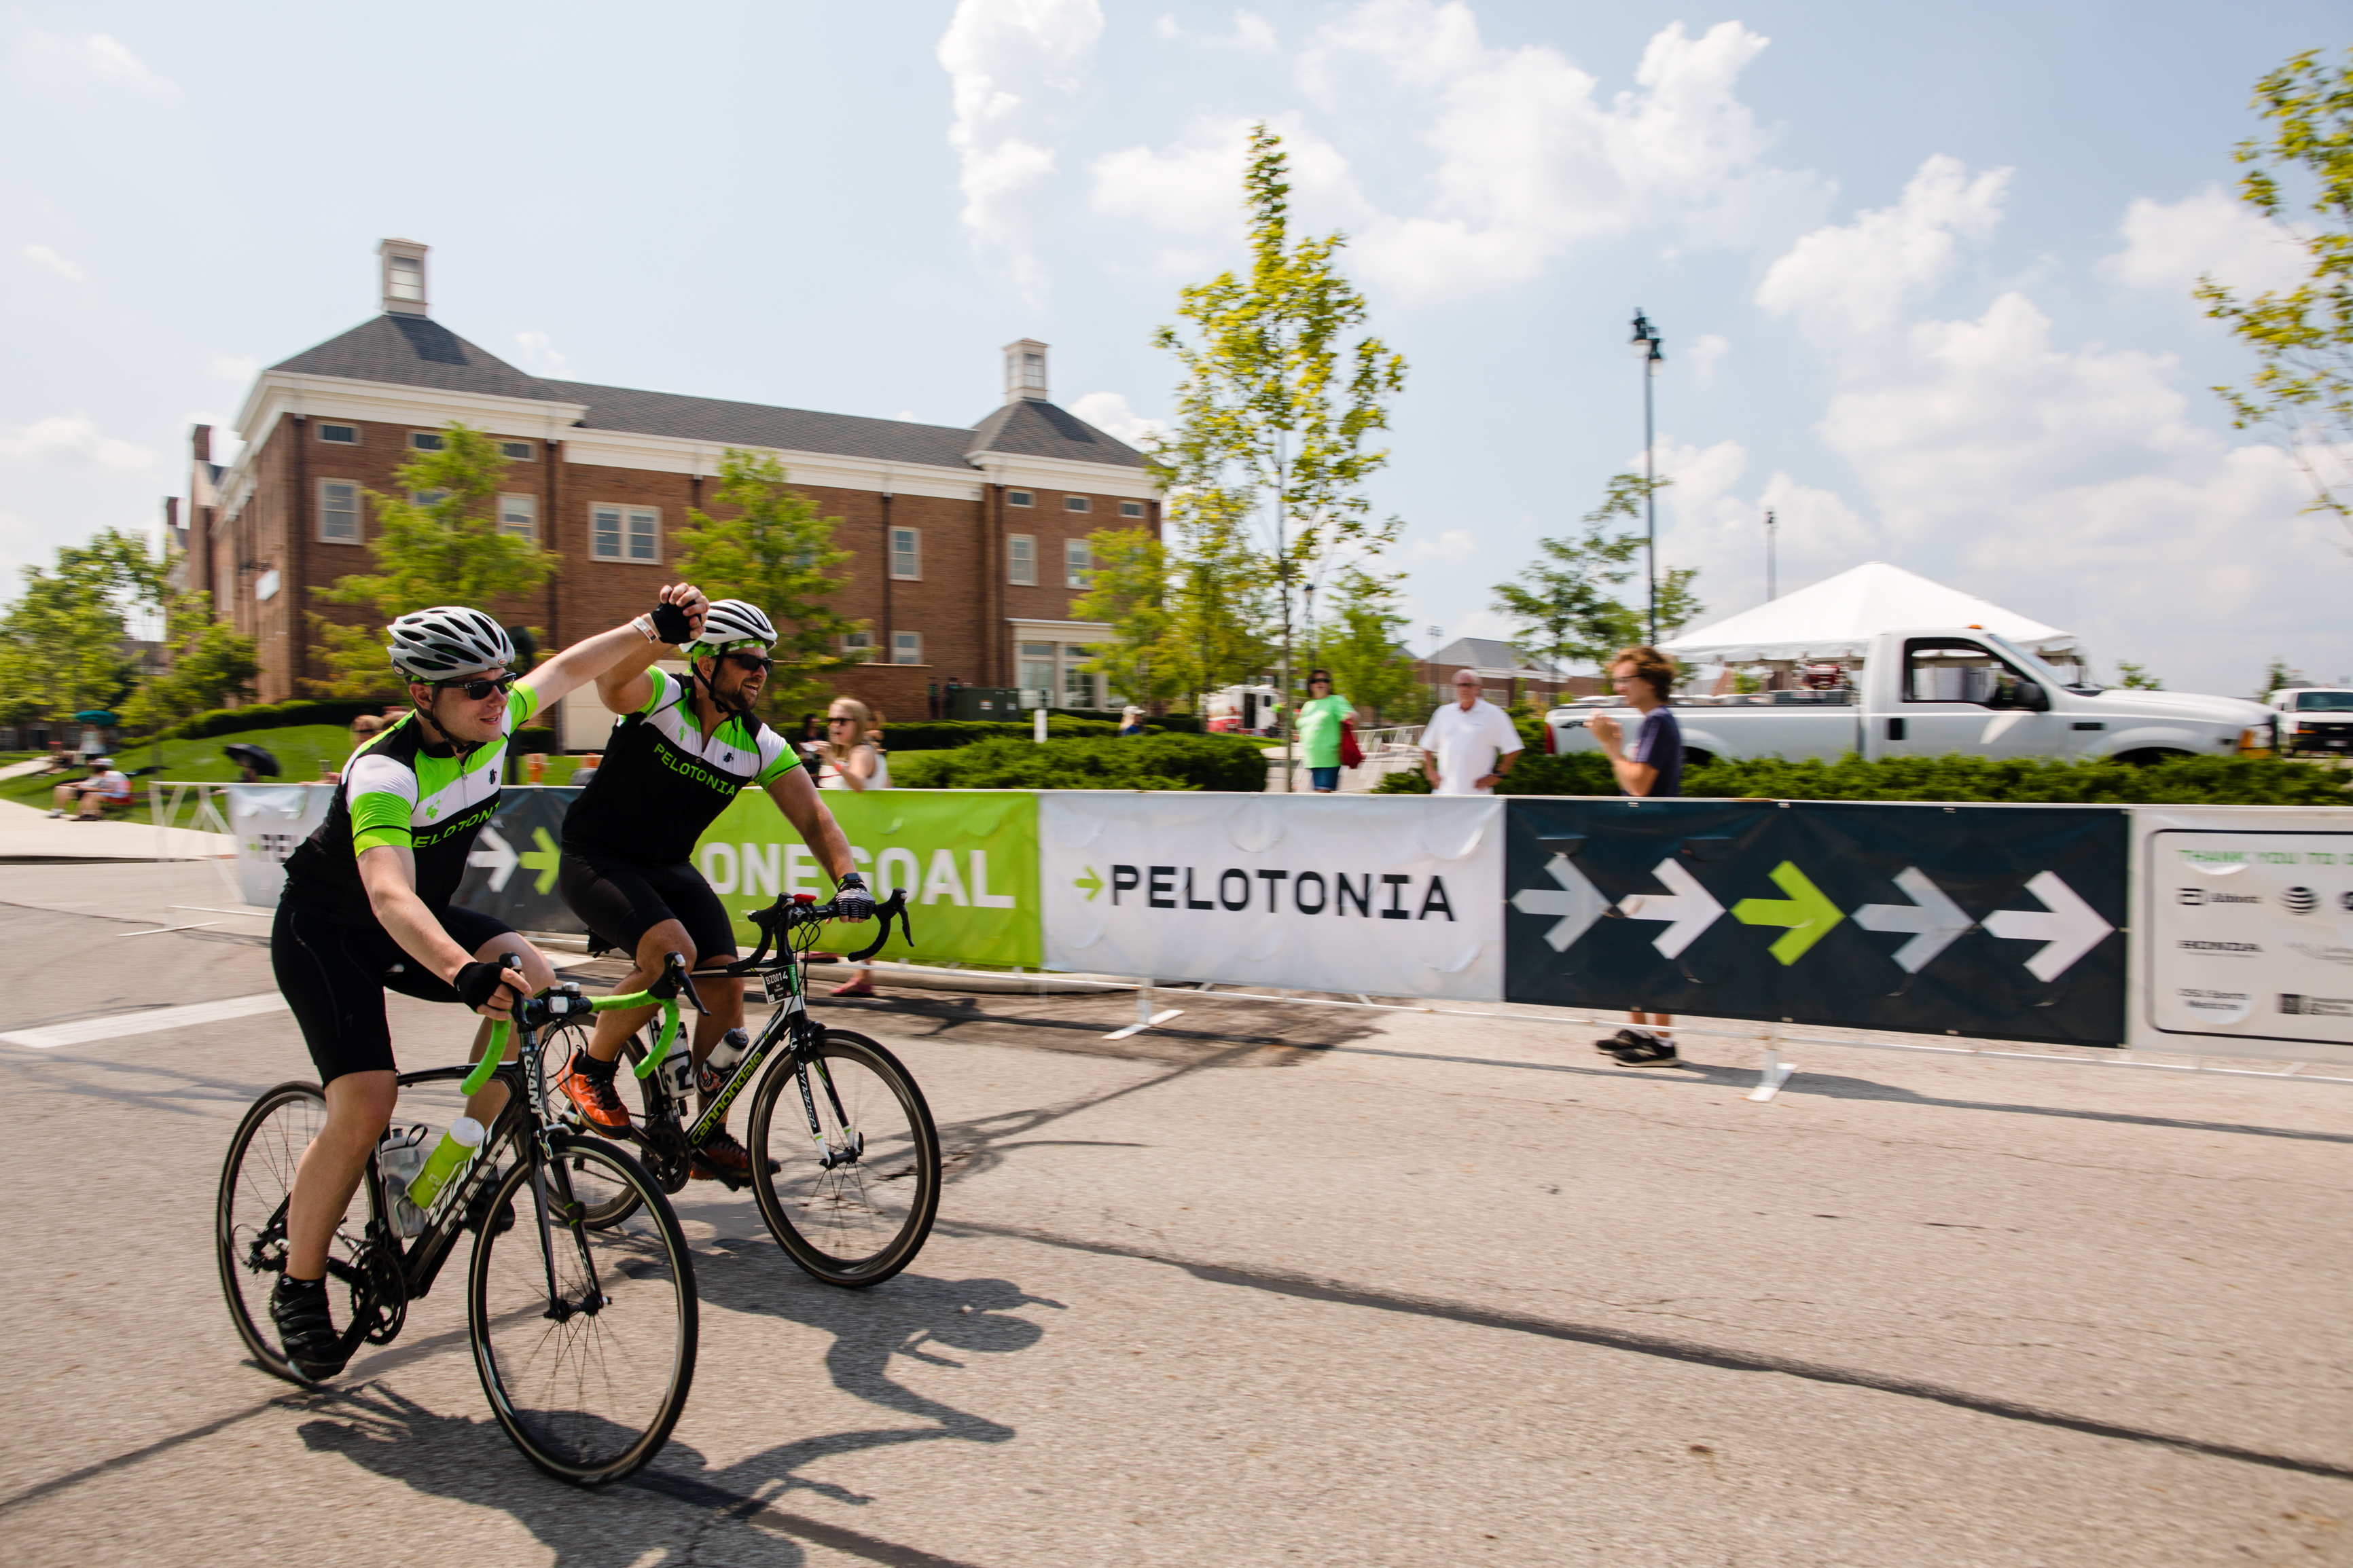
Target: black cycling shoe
{"type": "Point", "coordinates": [314, 1348]}
{"type": "Point", "coordinates": [477, 1206]}
{"type": "Point", "coordinates": [723, 1159]}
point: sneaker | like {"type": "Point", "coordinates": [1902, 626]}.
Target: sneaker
{"type": "Point", "coordinates": [1625, 1039]}
{"type": "Point", "coordinates": [587, 1083]}
{"type": "Point", "coordinates": [304, 1327]}
{"type": "Point", "coordinates": [862, 985]}
{"type": "Point", "coordinates": [59, 812]}
{"type": "Point", "coordinates": [723, 1159]}
{"type": "Point", "coordinates": [1653, 1052]}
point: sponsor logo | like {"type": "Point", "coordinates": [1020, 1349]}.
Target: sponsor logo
{"type": "Point", "coordinates": [2317, 1006]}
{"type": "Point", "coordinates": [1369, 895]}
{"type": "Point", "coordinates": [2345, 900]}
{"type": "Point", "coordinates": [2195, 897]}
{"type": "Point", "coordinates": [2190, 945]}
{"type": "Point", "coordinates": [2235, 1003]}
{"type": "Point", "coordinates": [464, 824]}
{"type": "Point", "coordinates": [2299, 900]}
{"type": "Point", "coordinates": [2325, 955]}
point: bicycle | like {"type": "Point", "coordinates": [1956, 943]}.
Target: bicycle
{"type": "Point", "coordinates": [849, 1188]}
{"type": "Point", "coordinates": [584, 1343]}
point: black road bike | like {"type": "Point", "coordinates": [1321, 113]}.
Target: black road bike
{"type": "Point", "coordinates": [845, 1160]}
{"type": "Point", "coordinates": [583, 1332]}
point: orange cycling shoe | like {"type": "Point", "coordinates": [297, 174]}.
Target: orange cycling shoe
{"type": "Point", "coordinates": [587, 1083]}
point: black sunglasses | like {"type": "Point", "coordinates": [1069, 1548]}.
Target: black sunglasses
{"type": "Point", "coordinates": [752, 662]}
{"type": "Point", "coordinates": [475, 691]}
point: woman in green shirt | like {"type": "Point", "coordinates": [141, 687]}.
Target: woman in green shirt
{"type": "Point", "coordinates": [1320, 719]}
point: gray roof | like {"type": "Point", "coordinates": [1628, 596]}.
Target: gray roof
{"type": "Point", "coordinates": [1486, 653]}
{"type": "Point", "coordinates": [414, 350]}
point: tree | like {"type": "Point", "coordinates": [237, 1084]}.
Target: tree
{"type": "Point", "coordinates": [1128, 589]}
{"type": "Point", "coordinates": [447, 549]}
{"type": "Point", "coordinates": [2136, 678]}
{"type": "Point", "coordinates": [1219, 589]}
{"type": "Point", "coordinates": [2303, 392]}
{"type": "Point", "coordinates": [1274, 405]}
{"type": "Point", "coordinates": [1565, 603]}
{"type": "Point", "coordinates": [62, 643]}
{"type": "Point", "coordinates": [211, 666]}
{"type": "Point", "coordinates": [1678, 606]}
{"type": "Point", "coordinates": [1359, 645]}
{"type": "Point", "coordinates": [2278, 675]}
{"type": "Point", "coordinates": [777, 552]}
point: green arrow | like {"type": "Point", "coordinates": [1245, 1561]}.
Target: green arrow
{"type": "Point", "coordinates": [543, 860]}
{"type": "Point", "coordinates": [1806, 913]}
{"type": "Point", "coordinates": [1091, 883]}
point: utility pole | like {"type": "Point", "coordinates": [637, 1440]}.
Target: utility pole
{"type": "Point", "coordinates": [1772, 590]}
{"type": "Point", "coordinates": [1650, 347]}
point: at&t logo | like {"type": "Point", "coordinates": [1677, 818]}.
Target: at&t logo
{"type": "Point", "coordinates": [2299, 900]}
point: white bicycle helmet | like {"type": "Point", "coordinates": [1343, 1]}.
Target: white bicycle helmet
{"type": "Point", "coordinates": [731, 622]}
{"type": "Point", "coordinates": [447, 642]}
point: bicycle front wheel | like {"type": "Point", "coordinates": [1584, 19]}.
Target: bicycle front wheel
{"type": "Point", "coordinates": [250, 1217]}
{"type": "Point", "coordinates": [852, 1198]}
{"type": "Point", "coordinates": [589, 1385]}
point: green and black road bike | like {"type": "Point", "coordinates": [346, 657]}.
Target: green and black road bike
{"type": "Point", "coordinates": [845, 1160]}
{"type": "Point", "coordinates": [584, 1333]}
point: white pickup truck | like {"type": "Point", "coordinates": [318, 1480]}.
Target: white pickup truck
{"type": "Point", "coordinates": [2318, 719]}
{"type": "Point", "coordinates": [1929, 692]}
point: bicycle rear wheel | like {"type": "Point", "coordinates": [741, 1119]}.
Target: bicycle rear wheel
{"type": "Point", "coordinates": [250, 1217]}
{"type": "Point", "coordinates": [589, 1388]}
{"type": "Point", "coordinates": [863, 1219]}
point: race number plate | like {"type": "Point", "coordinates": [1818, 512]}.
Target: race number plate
{"type": "Point", "coordinates": [777, 983]}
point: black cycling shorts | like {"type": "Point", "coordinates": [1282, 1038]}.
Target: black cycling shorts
{"type": "Point", "coordinates": [620, 900]}
{"type": "Point", "coordinates": [334, 976]}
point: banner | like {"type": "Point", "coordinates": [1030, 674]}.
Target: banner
{"type": "Point", "coordinates": [968, 859]}
{"type": "Point", "coordinates": [1399, 895]}
{"type": "Point", "coordinates": [2002, 923]}
{"type": "Point", "coordinates": [510, 870]}
{"type": "Point", "coordinates": [268, 820]}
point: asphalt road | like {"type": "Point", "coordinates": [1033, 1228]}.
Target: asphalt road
{"type": "Point", "coordinates": [1271, 1284]}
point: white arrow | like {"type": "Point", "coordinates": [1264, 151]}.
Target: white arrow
{"type": "Point", "coordinates": [1576, 901]}
{"type": "Point", "coordinates": [1932, 916]}
{"type": "Point", "coordinates": [1691, 911]}
{"type": "Point", "coordinates": [496, 853]}
{"type": "Point", "coordinates": [2070, 928]}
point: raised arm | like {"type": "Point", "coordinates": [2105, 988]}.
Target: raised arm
{"type": "Point", "coordinates": [607, 652]}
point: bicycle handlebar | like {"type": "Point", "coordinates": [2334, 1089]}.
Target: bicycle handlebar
{"type": "Point", "coordinates": [534, 1011]}
{"type": "Point", "coordinates": [786, 912]}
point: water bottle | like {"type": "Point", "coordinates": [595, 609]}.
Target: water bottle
{"type": "Point", "coordinates": [452, 1155]}
{"type": "Point", "coordinates": [720, 1065]}
{"type": "Point", "coordinates": [399, 1157]}
{"type": "Point", "coordinates": [677, 1070]}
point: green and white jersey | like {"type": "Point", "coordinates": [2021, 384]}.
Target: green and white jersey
{"type": "Point", "coordinates": [395, 791]}
{"type": "Point", "coordinates": [663, 781]}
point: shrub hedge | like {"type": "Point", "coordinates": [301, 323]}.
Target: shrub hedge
{"type": "Point", "coordinates": [1147, 762]}
{"type": "Point", "coordinates": [270, 716]}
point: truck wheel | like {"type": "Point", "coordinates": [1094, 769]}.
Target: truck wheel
{"type": "Point", "coordinates": [2144, 757]}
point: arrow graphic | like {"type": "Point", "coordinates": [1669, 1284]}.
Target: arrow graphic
{"type": "Point", "coordinates": [1932, 917]}
{"type": "Point", "coordinates": [543, 860]}
{"type": "Point", "coordinates": [1090, 884]}
{"type": "Point", "coordinates": [1692, 909]}
{"type": "Point", "coordinates": [495, 853]}
{"type": "Point", "coordinates": [1576, 901]}
{"type": "Point", "coordinates": [1806, 913]}
{"type": "Point", "coordinates": [2069, 928]}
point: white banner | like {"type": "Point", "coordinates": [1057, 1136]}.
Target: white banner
{"type": "Point", "coordinates": [1387, 895]}
{"type": "Point", "coordinates": [268, 821]}
{"type": "Point", "coordinates": [2244, 939]}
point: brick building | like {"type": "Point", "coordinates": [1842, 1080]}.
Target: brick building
{"type": "Point", "coordinates": [967, 545]}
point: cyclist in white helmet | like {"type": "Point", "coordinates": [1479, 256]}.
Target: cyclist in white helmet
{"type": "Point", "coordinates": [366, 906]}
{"type": "Point", "coordinates": [680, 750]}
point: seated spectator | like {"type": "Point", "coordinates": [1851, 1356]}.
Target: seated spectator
{"type": "Point", "coordinates": [104, 790]}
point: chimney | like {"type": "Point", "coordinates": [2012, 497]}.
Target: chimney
{"type": "Point", "coordinates": [200, 443]}
{"type": "Point", "coordinates": [1025, 370]}
{"type": "Point", "coordinates": [404, 277]}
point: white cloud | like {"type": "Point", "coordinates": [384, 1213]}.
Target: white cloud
{"type": "Point", "coordinates": [1705, 351]}
{"type": "Point", "coordinates": [2169, 244]}
{"type": "Point", "coordinates": [1109, 413]}
{"type": "Point", "coordinates": [71, 440]}
{"type": "Point", "coordinates": [106, 56]}
{"type": "Point", "coordinates": [1015, 67]}
{"type": "Point", "coordinates": [49, 260]}
{"type": "Point", "coordinates": [1858, 277]}
{"type": "Point", "coordinates": [1192, 192]}
{"type": "Point", "coordinates": [235, 367]}
{"type": "Point", "coordinates": [1452, 544]}
{"type": "Point", "coordinates": [537, 350]}
{"type": "Point", "coordinates": [1252, 34]}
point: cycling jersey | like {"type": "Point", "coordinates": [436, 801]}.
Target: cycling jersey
{"type": "Point", "coordinates": [664, 781]}
{"type": "Point", "coordinates": [395, 791]}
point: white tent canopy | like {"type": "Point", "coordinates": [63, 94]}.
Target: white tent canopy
{"type": "Point", "coordinates": [1838, 617]}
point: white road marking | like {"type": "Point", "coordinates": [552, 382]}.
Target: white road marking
{"type": "Point", "coordinates": [83, 1030]}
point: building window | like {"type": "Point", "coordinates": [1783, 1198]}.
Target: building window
{"type": "Point", "coordinates": [1131, 509]}
{"type": "Point", "coordinates": [427, 498]}
{"type": "Point", "coordinates": [624, 534]}
{"type": "Point", "coordinates": [1078, 563]}
{"type": "Point", "coordinates": [1019, 497]}
{"type": "Point", "coordinates": [1078, 685]}
{"type": "Point", "coordinates": [518, 515]}
{"type": "Point", "coordinates": [906, 553]}
{"type": "Point", "coordinates": [1077, 503]}
{"type": "Point", "coordinates": [906, 647]}
{"type": "Point", "coordinates": [1037, 673]}
{"type": "Point", "coordinates": [516, 451]}
{"type": "Point", "coordinates": [406, 280]}
{"type": "Point", "coordinates": [859, 643]}
{"type": "Point", "coordinates": [427, 440]}
{"type": "Point", "coordinates": [1021, 560]}
{"type": "Point", "coordinates": [339, 512]}
{"type": "Point", "coordinates": [340, 435]}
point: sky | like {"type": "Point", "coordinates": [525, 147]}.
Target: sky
{"type": "Point", "coordinates": [1923, 273]}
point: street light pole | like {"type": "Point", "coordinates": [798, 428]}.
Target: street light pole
{"type": "Point", "coordinates": [1650, 347]}
{"type": "Point", "coordinates": [1772, 589]}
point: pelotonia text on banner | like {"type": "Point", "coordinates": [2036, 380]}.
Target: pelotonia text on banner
{"type": "Point", "coordinates": [1387, 895]}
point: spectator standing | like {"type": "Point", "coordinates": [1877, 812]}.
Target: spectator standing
{"type": "Point", "coordinates": [92, 795]}
{"type": "Point", "coordinates": [850, 758]}
{"type": "Point", "coordinates": [586, 768]}
{"type": "Point", "coordinates": [1469, 744]}
{"type": "Point", "coordinates": [1650, 769]}
{"type": "Point", "coordinates": [1322, 719]}
{"type": "Point", "coordinates": [1130, 720]}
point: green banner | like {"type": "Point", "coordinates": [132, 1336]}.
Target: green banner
{"type": "Point", "coordinates": [968, 859]}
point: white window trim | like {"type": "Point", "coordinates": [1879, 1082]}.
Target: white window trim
{"type": "Point", "coordinates": [1138, 513]}
{"type": "Point", "coordinates": [1078, 504]}
{"type": "Point", "coordinates": [529, 504]}
{"type": "Point", "coordinates": [530, 450]}
{"type": "Point", "coordinates": [891, 554]}
{"type": "Point", "coordinates": [625, 558]}
{"type": "Point", "coordinates": [359, 513]}
{"type": "Point", "coordinates": [1070, 568]}
{"type": "Point", "coordinates": [1013, 562]}
{"type": "Point", "coordinates": [440, 435]}
{"type": "Point", "coordinates": [1026, 498]}
{"type": "Point", "coordinates": [359, 434]}
{"type": "Point", "coordinates": [905, 663]}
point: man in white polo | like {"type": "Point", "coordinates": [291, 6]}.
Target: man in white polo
{"type": "Point", "coordinates": [1468, 743]}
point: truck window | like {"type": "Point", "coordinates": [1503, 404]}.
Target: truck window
{"type": "Point", "coordinates": [1948, 670]}
{"type": "Point", "coordinates": [2324, 701]}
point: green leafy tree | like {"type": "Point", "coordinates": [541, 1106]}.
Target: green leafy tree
{"type": "Point", "coordinates": [1359, 646]}
{"type": "Point", "coordinates": [1566, 603]}
{"type": "Point", "coordinates": [776, 551]}
{"type": "Point", "coordinates": [1678, 606]}
{"type": "Point", "coordinates": [1128, 590]}
{"type": "Point", "coordinates": [211, 667]}
{"type": "Point", "coordinates": [1277, 403]}
{"type": "Point", "coordinates": [63, 641]}
{"type": "Point", "coordinates": [2277, 674]}
{"type": "Point", "coordinates": [1219, 594]}
{"type": "Point", "coordinates": [446, 550]}
{"type": "Point", "coordinates": [2300, 176]}
{"type": "Point", "coordinates": [2136, 678]}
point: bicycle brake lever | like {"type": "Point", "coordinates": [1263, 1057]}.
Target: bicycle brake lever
{"type": "Point", "coordinates": [675, 969]}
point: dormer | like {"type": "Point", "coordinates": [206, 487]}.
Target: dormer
{"type": "Point", "coordinates": [404, 277]}
{"type": "Point", "coordinates": [1025, 370]}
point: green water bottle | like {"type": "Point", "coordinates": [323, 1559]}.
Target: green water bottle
{"type": "Point", "coordinates": [457, 1147]}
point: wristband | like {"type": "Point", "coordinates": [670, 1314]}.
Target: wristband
{"type": "Point", "coordinates": [671, 625]}
{"type": "Point", "coordinates": [645, 625]}
{"type": "Point", "coordinates": [850, 880]}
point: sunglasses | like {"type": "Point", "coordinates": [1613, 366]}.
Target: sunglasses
{"type": "Point", "coordinates": [475, 691]}
{"type": "Point", "coordinates": [752, 663]}
{"type": "Point", "coordinates": [841, 719]}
